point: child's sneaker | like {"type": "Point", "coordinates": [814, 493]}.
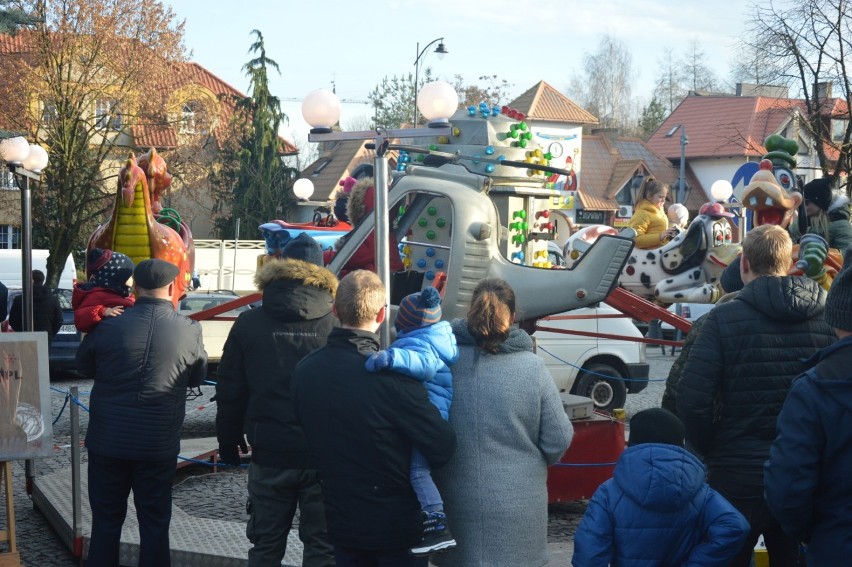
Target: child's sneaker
{"type": "Point", "coordinates": [436, 535]}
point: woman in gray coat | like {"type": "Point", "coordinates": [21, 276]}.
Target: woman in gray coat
{"type": "Point", "coordinates": [510, 425]}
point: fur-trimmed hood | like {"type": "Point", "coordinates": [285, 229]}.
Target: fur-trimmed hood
{"type": "Point", "coordinates": [361, 200]}
{"type": "Point", "coordinates": [839, 204]}
{"type": "Point", "coordinates": [299, 271]}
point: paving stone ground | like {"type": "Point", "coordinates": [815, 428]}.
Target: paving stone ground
{"type": "Point", "coordinates": [221, 495]}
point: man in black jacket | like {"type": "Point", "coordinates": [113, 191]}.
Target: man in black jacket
{"type": "Point", "coordinates": [253, 395]}
{"type": "Point", "coordinates": [738, 374]}
{"type": "Point", "coordinates": [47, 313]}
{"type": "Point", "coordinates": [142, 364]}
{"type": "Point", "coordinates": [363, 427]}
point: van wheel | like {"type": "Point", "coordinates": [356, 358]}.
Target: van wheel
{"type": "Point", "coordinates": [606, 393]}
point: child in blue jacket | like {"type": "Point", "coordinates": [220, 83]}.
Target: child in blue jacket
{"type": "Point", "coordinates": [424, 350]}
{"type": "Point", "coordinates": [657, 509]}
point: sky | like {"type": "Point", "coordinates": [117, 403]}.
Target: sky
{"type": "Point", "coordinates": [352, 45]}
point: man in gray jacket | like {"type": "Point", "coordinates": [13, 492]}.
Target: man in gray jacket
{"type": "Point", "coordinates": [738, 374]}
{"type": "Point", "coordinates": [142, 364]}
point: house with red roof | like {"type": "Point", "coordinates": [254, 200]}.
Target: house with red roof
{"type": "Point", "coordinates": [725, 131]}
{"type": "Point", "coordinates": [197, 113]}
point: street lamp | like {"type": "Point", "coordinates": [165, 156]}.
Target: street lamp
{"type": "Point", "coordinates": [25, 161]}
{"type": "Point", "coordinates": [684, 140]}
{"type": "Point", "coordinates": [438, 101]}
{"type": "Point", "coordinates": [441, 50]}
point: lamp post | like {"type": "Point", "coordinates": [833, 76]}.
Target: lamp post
{"type": "Point", "coordinates": [441, 50]}
{"type": "Point", "coordinates": [681, 189]}
{"type": "Point", "coordinates": [321, 110]}
{"type": "Point", "coordinates": [25, 161]}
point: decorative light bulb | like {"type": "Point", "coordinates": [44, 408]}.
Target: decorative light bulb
{"type": "Point", "coordinates": [437, 101]}
{"type": "Point", "coordinates": [321, 109]}
{"type": "Point", "coordinates": [37, 159]}
{"type": "Point", "coordinates": [303, 188]}
{"type": "Point", "coordinates": [721, 190]}
{"type": "Point", "coordinates": [14, 150]}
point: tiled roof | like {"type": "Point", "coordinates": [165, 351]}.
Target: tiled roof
{"type": "Point", "coordinates": [336, 162]}
{"type": "Point", "coordinates": [723, 126]}
{"type": "Point", "coordinates": [543, 102]}
{"type": "Point", "coordinates": [607, 168]}
{"type": "Point", "coordinates": [156, 132]}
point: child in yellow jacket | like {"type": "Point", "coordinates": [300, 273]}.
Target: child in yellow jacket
{"type": "Point", "coordinates": [649, 220]}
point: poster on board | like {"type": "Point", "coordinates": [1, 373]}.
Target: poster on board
{"type": "Point", "coordinates": [25, 415]}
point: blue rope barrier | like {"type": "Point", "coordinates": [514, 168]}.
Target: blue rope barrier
{"type": "Point", "coordinates": [584, 465]}
{"type": "Point", "coordinates": [598, 373]}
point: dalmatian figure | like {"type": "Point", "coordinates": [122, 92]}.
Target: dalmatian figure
{"type": "Point", "coordinates": [685, 269]}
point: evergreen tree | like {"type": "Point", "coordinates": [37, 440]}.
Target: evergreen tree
{"type": "Point", "coordinates": [652, 116]}
{"type": "Point", "coordinates": [264, 184]}
{"type": "Point", "coordinates": [13, 18]}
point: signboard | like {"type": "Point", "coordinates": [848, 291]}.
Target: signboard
{"type": "Point", "coordinates": [26, 430]}
{"type": "Point", "coordinates": [591, 217]}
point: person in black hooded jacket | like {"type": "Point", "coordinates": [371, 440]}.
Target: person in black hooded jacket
{"type": "Point", "coordinates": [738, 374]}
{"type": "Point", "coordinates": [47, 313]}
{"type": "Point", "coordinates": [253, 396]}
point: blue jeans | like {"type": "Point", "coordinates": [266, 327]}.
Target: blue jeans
{"type": "Point", "coordinates": [423, 485]}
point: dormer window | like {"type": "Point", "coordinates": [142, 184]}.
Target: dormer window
{"type": "Point", "coordinates": [192, 119]}
{"type": "Point", "coordinates": [838, 129]}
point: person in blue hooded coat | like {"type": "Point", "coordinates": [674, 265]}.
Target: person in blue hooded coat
{"type": "Point", "coordinates": [657, 509]}
{"type": "Point", "coordinates": [806, 479]}
{"type": "Point", "coordinates": [425, 349]}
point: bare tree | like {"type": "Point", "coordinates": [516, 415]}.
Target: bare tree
{"type": "Point", "coordinates": [669, 90]}
{"type": "Point", "coordinates": [697, 74]}
{"type": "Point", "coordinates": [489, 89]}
{"type": "Point", "coordinates": [810, 40]}
{"type": "Point", "coordinates": [752, 65]}
{"type": "Point", "coordinates": [604, 88]}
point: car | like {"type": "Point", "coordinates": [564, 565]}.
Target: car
{"type": "Point", "coordinates": [690, 312]}
{"type": "Point", "coordinates": [215, 332]}
{"type": "Point", "coordinates": [63, 348]}
{"type": "Point", "coordinates": [603, 369]}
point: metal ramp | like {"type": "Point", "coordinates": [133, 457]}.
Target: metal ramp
{"type": "Point", "coordinates": [195, 541]}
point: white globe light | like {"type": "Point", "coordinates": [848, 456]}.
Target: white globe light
{"type": "Point", "coordinates": [303, 188]}
{"type": "Point", "coordinates": [321, 109]}
{"type": "Point", "coordinates": [36, 160]}
{"type": "Point", "coordinates": [14, 150]}
{"type": "Point", "coordinates": [721, 190]}
{"type": "Point", "coordinates": [437, 101]}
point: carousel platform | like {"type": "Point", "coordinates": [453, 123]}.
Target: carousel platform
{"type": "Point", "coordinates": [195, 541]}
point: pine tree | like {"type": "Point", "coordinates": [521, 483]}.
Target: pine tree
{"type": "Point", "coordinates": [264, 184]}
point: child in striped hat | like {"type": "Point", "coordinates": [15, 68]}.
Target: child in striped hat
{"type": "Point", "coordinates": [425, 349]}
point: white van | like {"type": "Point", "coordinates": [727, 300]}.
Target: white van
{"type": "Point", "coordinates": [605, 370]}
{"type": "Point", "coordinates": [10, 268]}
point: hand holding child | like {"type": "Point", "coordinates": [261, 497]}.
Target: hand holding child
{"type": "Point", "coordinates": [113, 311]}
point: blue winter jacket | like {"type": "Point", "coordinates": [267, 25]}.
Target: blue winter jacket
{"type": "Point", "coordinates": [425, 354]}
{"type": "Point", "coordinates": [807, 479]}
{"type": "Point", "coordinates": [658, 511]}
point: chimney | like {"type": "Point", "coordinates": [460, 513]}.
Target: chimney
{"type": "Point", "coordinates": [610, 135]}
{"type": "Point", "coordinates": [822, 90]}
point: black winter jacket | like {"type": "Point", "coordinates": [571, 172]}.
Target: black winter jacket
{"type": "Point", "coordinates": [363, 427]}
{"type": "Point", "coordinates": [741, 367]}
{"type": "Point", "coordinates": [142, 363]}
{"type": "Point", "coordinates": [264, 345]}
{"type": "Point", "coordinates": [47, 313]}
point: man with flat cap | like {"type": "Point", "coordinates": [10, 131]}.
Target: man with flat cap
{"type": "Point", "coordinates": [142, 364]}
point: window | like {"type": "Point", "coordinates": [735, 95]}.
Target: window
{"type": "Point", "coordinates": [192, 120]}
{"type": "Point", "coordinates": [49, 114]}
{"type": "Point", "coordinates": [10, 236]}
{"type": "Point", "coordinates": [838, 129]}
{"type": "Point", "coordinates": [107, 114]}
{"type": "Point", "coordinates": [7, 180]}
